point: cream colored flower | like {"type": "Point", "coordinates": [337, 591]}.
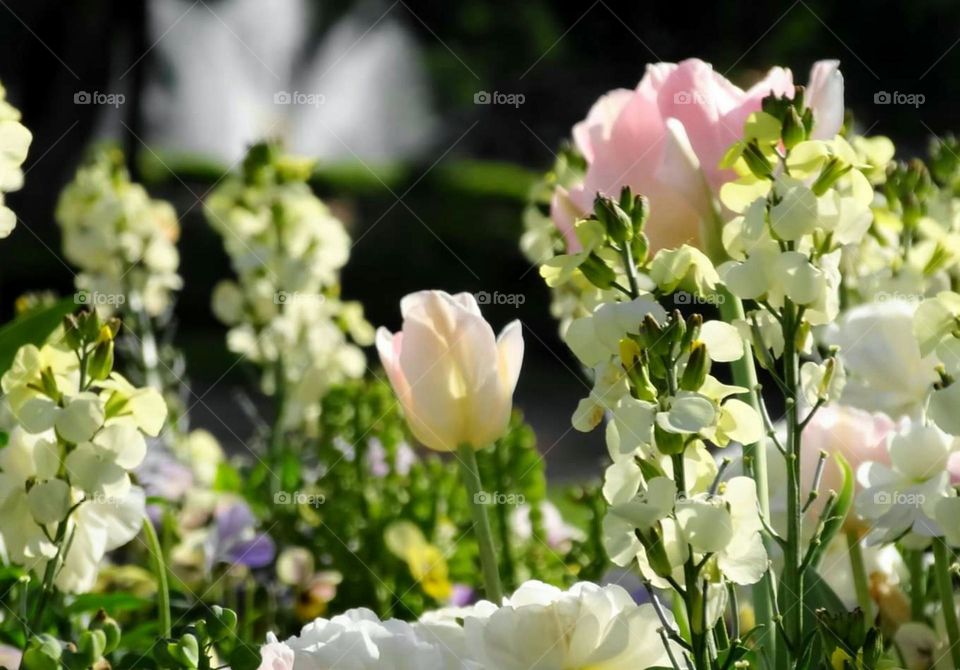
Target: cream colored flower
{"type": "Point", "coordinates": [454, 378]}
{"type": "Point", "coordinates": [15, 141]}
{"type": "Point", "coordinates": [283, 308]}
{"type": "Point", "coordinates": [123, 241]}
{"type": "Point", "coordinates": [587, 626]}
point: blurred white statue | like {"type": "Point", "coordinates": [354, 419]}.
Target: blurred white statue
{"type": "Point", "coordinates": [229, 73]}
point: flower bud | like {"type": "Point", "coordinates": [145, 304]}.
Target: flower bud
{"type": "Point", "coordinates": [756, 161]}
{"type": "Point", "coordinates": [634, 362]}
{"type": "Point", "coordinates": [697, 368]}
{"type": "Point", "coordinates": [652, 541]}
{"type": "Point", "coordinates": [667, 442]}
{"type": "Point", "coordinates": [43, 653]}
{"type": "Point", "coordinates": [101, 363]}
{"type": "Point", "coordinates": [111, 630]}
{"type": "Point", "coordinates": [89, 649]}
{"type": "Point", "coordinates": [831, 172]}
{"type": "Point", "coordinates": [649, 333]}
{"type": "Point", "coordinates": [49, 383]}
{"type": "Point", "coordinates": [615, 221]}
{"type": "Point", "coordinates": [598, 272]}
{"type": "Point", "coordinates": [640, 212]}
{"type": "Point", "coordinates": [71, 332]}
{"type": "Point", "coordinates": [89, 325]}
{"type": "Point", "coordinates": [793, 132]}
{"type": "Point", "coordinates": [640, 246]}
{"type": "Point", "coordinates": [776, 106]}
{"type": "Point", "coordinates": [692, 331]}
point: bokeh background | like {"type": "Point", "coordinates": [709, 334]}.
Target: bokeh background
{"type": "Point", "coordinates": [386, 95]}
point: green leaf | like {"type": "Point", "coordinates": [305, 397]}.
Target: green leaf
{"type": "Point", "coordinates": [819, 596]}
{"type": "Point", "coordinates": [111, 602]}
{"type": "Point", "coordinates": [227, 478]}
{"type": "Point", "coordinates": [34, 327]}
{"type": "Point", "coordinates": [244, 658]}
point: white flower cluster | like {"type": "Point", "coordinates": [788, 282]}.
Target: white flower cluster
{"type": "Point", "coordinates": [65, 489]}
{"type": "Point", "coordinates": [123, 241]}
{"type": "Point", "coordinates": [539, 626]}
{"type": "Point", "coordinates": [286, 249]}
{"type": "Point", "coordinates": [900, 358]}
{"type": "Point", "coordinates": [914, 246]}
{"type": "Point", "coordinates": [650, 520]}
{"type": "Point", "coordinates": [788, 237]}
{"type": "Point", "coordinates": [14, 143]}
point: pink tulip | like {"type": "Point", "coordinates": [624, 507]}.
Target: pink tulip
{"type": "Point", "coordinates": [665, 139]}
{"type": "Point", "coordinates": [859, 436]}
{"type": "Point", "coordinates": [454, 378]}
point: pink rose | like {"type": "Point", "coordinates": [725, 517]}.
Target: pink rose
{"type": "Point", "coordinates": [665, 139]}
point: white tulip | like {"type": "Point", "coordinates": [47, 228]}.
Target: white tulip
{"type": "Point", "coordinates": [454, 378]}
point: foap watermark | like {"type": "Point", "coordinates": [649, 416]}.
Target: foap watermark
{"type": "Point", "coordinates": [299, 98]}
{"type": "Point", "coordinates": [685, 298]}
{"type": "Point", "coordinates": [298, 498]}
{"type": "Point", "coordinates": [98, 299]}
{"type": "Point", "coordinates": [497, 498]}
{"type": "Point", "coordinates": [899, 498]}
{"type": "Point", "coordinates": [102, 498]}
{"type": "Point", "coordinates": [689, 98]}
{"type": "Point", "coordinates": [896, 296]}
{"type": "Point", "coordinates": [899, 98]}
{"type": "Point", "coordinates": [498, 98]}
{"type": "Point", "coordinates": [498, 298]}
{"type": "Point", "coordinates": [98, 98]}
{"type": "Point", "coordinates": [296, 297]}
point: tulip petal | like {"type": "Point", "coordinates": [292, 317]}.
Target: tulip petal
{"type": "Point", "coordinates": [824, 96]}
{"type": "Point", "coordinates": [510, 349]}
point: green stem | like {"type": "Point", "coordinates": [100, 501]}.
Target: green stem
{"type": "Point", "coordinates": [49, 574]}
{"type": "Point", "coordinates": [503, 522]}
{"type": "Point", "coordinates": [860, 582]}
{"type": "Point", "coordinates": [792, 576]}
{"type": "Point", "coordinates": [631, 267]}
{"type": "Point", "coordinates": [276, 434]}
{"type": "Point", "coordinates": [942, 559]}
{"type": "Point", "coordinates": [249, 607]}
{"type": "Point", "coordinates": [481, 524]}
{"type": "Point", "coordinates": [918, 584]}
{"type": "Point", "coordinates": [160, 572]}
{"type": "Point", "coordinates": [694, 602]}
{"type": "Point", "coordinates": [754, 456]}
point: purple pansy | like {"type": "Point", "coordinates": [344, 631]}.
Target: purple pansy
{"type": "Point", "coordinates": [234, 538]}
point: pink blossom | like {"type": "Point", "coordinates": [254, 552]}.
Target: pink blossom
{"type": "Point", "coordinates": [665, 139]}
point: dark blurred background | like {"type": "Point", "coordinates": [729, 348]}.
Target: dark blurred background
{"type": "Point", "coordinates": [431, 184]}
